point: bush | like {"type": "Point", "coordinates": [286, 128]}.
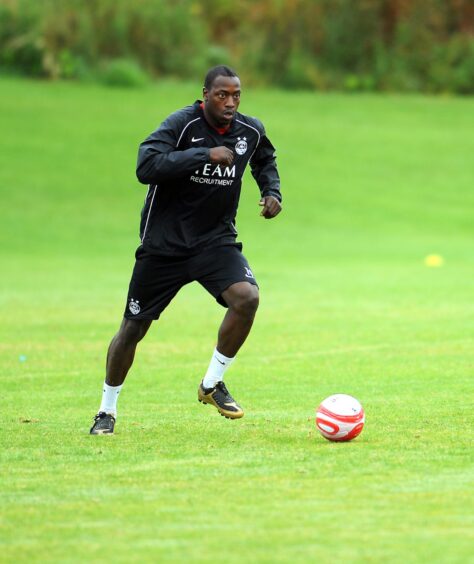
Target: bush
{"type": "Point", "coordinates": [124, 73]}
{"type": "Point", "coordinates": [21, 43]}
{"type": "Point", "coordinates": [453, 66]}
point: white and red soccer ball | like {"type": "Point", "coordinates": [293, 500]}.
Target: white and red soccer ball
{"type": "Point", "coordinates": [340, 418]}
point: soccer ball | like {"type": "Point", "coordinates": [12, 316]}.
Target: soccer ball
{"type": "Point", "coordinates": [340, 418]}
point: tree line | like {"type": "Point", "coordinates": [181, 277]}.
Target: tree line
{"type": "Point", "coordinates": [392, 45]}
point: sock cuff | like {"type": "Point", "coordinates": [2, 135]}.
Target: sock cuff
{"type": "Point", "coordinates": [223, 358]}
{"type": "Point", "coordinates": [112, 388]}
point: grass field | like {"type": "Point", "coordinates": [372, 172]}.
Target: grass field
{"type": "Point", "coordinates": [372, 185]}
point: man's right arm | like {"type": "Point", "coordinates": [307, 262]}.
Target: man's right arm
{"type": "Point", "coordinates": [158, 158]}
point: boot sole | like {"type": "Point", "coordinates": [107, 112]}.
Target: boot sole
{"type": "Point", "coordinates": [230, 416]}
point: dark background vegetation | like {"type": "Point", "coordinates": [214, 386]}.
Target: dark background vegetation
{"type": "Point", "coordinates": [403, 45]}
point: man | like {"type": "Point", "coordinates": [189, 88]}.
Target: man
{"type": "Point", "coordinates": [193, 164]}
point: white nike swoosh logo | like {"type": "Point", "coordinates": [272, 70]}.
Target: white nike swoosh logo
{"type": "Point", "coordinates": [194, 140]}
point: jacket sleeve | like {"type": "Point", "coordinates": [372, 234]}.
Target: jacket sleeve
{"type": "Point", "coordinates": [264, 169]}
{"type": "Point", "coordinates": [160, 160]}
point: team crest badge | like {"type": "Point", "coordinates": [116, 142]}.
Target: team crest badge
{"type": "Point", "coordinates": [134, 307]}
{"type": "Point", "coordinates": [241, 145]}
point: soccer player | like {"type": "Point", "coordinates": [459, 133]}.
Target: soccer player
{"type": "Point", "coordinates": [193, 164]}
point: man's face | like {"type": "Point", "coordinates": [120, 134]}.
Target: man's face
{"type": "Point", "coordinates": [222, 99]}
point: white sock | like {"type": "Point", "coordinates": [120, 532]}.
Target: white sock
{"type": "Point", "coordinates": [218, 365]}
{"type": "Point", "coordinates": [109, 399]}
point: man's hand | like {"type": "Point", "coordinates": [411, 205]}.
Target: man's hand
{"type": "Point", "coordinates": [221, 156]}
{"type": "Point", "coordinates": [271, 207]}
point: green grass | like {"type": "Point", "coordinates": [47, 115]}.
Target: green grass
{"type": "Point", "coordinates": [371, 185]}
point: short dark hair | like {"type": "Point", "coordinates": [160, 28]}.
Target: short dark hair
{"type": "Point", "coordinates": [220, 70]}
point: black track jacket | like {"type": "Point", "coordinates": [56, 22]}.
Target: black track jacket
{"type": "Point", "coordinates": [191, 204]}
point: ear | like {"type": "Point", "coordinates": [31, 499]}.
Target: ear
{"type": "Point", "coordinates": [205, 93]}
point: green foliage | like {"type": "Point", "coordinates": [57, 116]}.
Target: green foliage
{"type": "Point", "coordinates": [123, 72]}
{"type": "Point", "coordinates": [453, 65]}
{"type": "Point", "coordinates": [403, 45]}
{"type": "Point", "coordinates": [21, 45]}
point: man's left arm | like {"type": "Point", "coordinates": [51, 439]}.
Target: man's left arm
{"type": "Point", "coordinates": [264, 170]}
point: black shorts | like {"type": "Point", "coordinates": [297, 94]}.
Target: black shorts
{"type": "Point", "coordinates": [156, 279]}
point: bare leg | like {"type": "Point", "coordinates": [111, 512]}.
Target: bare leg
{"type": "Point", "coordinates": [122, 349]}
{"type": "Point", "coordinates": [242, 299]}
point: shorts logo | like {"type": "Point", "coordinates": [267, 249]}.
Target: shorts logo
{"type": "Point", "coordinates": [248, 273]}
{"type": "Point", "coordinates": [241, 145]}
{"type": "Point", "coordinates": [134, 307]}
